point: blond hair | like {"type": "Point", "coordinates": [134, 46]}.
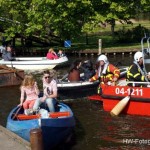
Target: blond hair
{"type": "Point", "coordinates": [28, 81]}
{"type": "Point", "coordinates": [51, 50]}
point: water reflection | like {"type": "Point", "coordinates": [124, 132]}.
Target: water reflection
{"type": "Point", "coordinates": [95, 128]}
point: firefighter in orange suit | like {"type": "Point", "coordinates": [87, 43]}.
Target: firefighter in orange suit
{"type": "Point", "coordinates": [106, 72]}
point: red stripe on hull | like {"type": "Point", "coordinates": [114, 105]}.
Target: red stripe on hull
{"type": "Point", "coordinates": [95, 97]}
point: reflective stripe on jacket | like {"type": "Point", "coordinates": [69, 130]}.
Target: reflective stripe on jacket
{"type": "Point", "coordinates": [111, 72]}
{"type": "Point", "coordinates": [134, 74]}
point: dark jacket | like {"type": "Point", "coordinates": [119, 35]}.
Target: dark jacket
{"type": "Point", "coordinates": [7, 56]}
{"type": "Point", "coordinates": [88, 70]}
{"type": "Point", "coordinates": [134, 74]}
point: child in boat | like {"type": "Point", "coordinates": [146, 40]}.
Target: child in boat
{"type": "Point", "coordinates": [51, 54]}
{"type": "Point", "coordinates": [29, 92]}
{"type": "Point", "coordinates": [60, 54]}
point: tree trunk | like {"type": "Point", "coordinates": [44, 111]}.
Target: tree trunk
{"type": "Point", "coordinates": [112, 23]}
{"type": "Point", "coordinates": [86, 37]}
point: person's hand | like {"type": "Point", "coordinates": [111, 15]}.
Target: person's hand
{"type": "Point", "coordinates": [114, 79]}
{"type": "Point", "coordinates": [43, 98]}
{"type": "Point", "coordinates": [35, 83]}
{"type": "Point", "coordinates": [90, 80]}
{"type": "Point", "coordinates": [20, 104]}
{"type": "Point", "coordinates": [112, 83]}
{"type": "Point", "coordinates": [148, 75]}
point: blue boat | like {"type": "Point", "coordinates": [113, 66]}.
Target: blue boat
{"type": "Point", "coordinates": [54, 130]}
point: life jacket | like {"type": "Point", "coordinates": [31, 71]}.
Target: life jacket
{"type": "Point", "coordinates": [134, 74]}
{"type": "Point", "coordinates": [111, 72]}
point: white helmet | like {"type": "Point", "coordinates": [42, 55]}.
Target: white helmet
{"type": "Point", "coordinates": [102, 57]}
{"type": "Point", "coordinates": [137, 56]}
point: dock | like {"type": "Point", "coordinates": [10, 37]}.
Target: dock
{"type": "Point", "coordinates": [9, 141]}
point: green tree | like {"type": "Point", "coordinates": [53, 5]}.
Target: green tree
{"type": "Point", "coordinates": [62, 18]}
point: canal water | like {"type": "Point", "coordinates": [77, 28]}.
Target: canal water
{"type": "Point", "coordinates": [95, 129]}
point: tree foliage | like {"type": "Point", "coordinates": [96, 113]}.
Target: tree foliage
{"type": "Point", "coordinates": [63, 18]}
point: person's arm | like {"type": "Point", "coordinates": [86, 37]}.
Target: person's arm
{"type": "Point", "coordinates": [115, 71]}
{"type": "Point", "coordinates": [36, 88]}
{"type": "Point", "coordinates": [94, 78]}
{"type": "Point", "coordinates": [22, 96]}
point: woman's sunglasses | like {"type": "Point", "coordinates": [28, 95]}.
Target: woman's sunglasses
{"type": "Point", "coordinates": [47, 77]}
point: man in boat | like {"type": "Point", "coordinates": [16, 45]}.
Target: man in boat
{"type": "Point", "coordinates": [106, 72]}
{"type": "Point", "coordinates": [136, 72]}
{"type": "Point", "coordinates": [49, 92]}
{"type": "Point", "coordinates": [88, 70]}
{"type": "Point", "coordinates": [7, 54]}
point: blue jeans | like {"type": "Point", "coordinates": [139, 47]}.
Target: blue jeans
{"type": "Point", "coordinates": [51, 102]}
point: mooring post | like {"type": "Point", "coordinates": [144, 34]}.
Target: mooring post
{"type": "Point", "coordinates": [36, 139]}
{"type": "Point", "coordinates": [99, 46]}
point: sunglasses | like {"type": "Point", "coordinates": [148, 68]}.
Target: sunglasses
{"type": "Point", "coordinates": [47, 77]}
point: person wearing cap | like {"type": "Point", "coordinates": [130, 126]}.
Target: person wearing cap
{"type": "Point", "coordinates": [136, 72]}
{"type": "Point", "coordinates": [106, 72]}
{"type": "Point", "coordinates": [49, 92]}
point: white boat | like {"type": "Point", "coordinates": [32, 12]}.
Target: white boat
{"type": "Point", "coordinates": [34, 63]}
{"type": "Point", "coordinates": [80, 85]}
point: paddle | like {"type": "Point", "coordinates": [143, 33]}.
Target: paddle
{"type": "Point", "coordinates": [15, 115]}
{"type": "Point", "coordinates": [120, 105]}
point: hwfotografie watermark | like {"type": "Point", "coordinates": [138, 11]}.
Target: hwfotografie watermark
{"type": "Point", "coordinates": [136, 141]}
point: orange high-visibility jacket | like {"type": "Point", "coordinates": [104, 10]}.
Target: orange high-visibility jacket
{"type": "Point", "coordinates": [111, 72]}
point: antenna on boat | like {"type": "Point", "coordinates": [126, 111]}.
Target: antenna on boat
{"type": "Point", "coordinates": [146, 53]}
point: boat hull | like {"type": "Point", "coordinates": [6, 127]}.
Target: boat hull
{"type": "Point", "coordinates": [54, 130]}
{"type": "Point", "coordinates": [139, 103]}
{"type": "Point", "coordinates": [31, 63]}
{"type": "Point", "coordinates": [10, 78]}
{"type": "Point", "coordinates": [132, 108]}
{"type": "Point", "coordinates": [65, 86]}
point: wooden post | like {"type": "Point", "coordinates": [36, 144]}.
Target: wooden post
{"type": "Point", "coordinates": [36, 139]}
{"type": "Point", "coordinates": [99, 46]}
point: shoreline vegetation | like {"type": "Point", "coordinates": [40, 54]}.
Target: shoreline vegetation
{"type": "Point", "coordinates": [87, 43]}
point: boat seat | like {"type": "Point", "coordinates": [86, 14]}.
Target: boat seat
{"type": "Point", "coordinates": [44, 106]}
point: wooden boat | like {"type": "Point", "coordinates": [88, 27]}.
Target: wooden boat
{"type": "Point", "coordinates": [10, 76]}
{"type": "Point", "coordinates": [55, 129]}
{"type": "Point", "coordinates": [34, 63]}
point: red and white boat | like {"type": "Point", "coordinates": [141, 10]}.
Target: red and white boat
{"type": "Point", "coordinates": [139, 98]}
{"type": "Point", "coordinates": [139, 102]}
